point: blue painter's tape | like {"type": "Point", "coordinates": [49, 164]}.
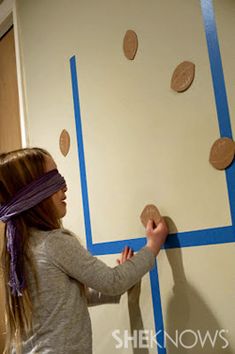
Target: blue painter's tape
{"type": "Point", "coordinates": [216, 68]}
{"type": "Point", "coordinates": [113, 247]}
{"type": "Point", "coordinates": [157, 308]}
{"type": "Point", "coordinates": [220, 235]}
{"type": "Point", "coordinates": [201, 237]}
{"type": "Point", "coordinates": [230, 178]}
{"type": "Point", "coordinates": [83, 178]}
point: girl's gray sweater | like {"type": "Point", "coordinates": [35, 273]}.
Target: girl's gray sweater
{"type": "Point", "coordinates": [61, 321]}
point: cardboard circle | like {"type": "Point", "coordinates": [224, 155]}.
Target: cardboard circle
{"type": "Point", "coordinates": [150, 212]}
{"type": "Point", "coordinates": [64, 142]}
{"type": "Point", "coordinates": [183, 76]}
{"type": "Point", "coordinates": [222, 153]}
{"type": "Point", "coordinates": [130, 44]}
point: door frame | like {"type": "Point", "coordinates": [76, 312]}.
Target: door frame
{"type": "Point", "coordinates": [8, 20]}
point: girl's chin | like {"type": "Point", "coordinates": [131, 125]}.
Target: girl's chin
{"type": "Point", "coordinates": [62, 210]}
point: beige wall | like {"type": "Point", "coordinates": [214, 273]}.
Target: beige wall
{"type": "Point", "coordinates": [143, 142]}
{"type": "Point", "coordinates": [5, 15]}
{"type": "Point", "coordinates": [5, 9]}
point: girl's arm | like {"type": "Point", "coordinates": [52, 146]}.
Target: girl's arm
{"type": "Point", "coordinates": [66, 252]}
{"type": "Point", "coordinates": [95, 298]}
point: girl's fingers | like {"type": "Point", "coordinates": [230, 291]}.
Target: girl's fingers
{"type": "Point", "coordinates": [123, 256]}
{"type": "Point", "coordinates": [130, 253]}
{"type": "Point", "coordinates": [126, 250]}
{"type": "Point", "coordinates": [149, 225]}
{"type": "Point", "coordinates": [120, 260]}
{"type": "Point", "coordinates": [125, 253]}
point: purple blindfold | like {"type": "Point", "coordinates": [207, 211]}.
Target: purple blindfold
{"type": "Point", "coordinates": [26, 198]}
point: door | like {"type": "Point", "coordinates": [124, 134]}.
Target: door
{"type": "Point", "coordinates": [10, 134]}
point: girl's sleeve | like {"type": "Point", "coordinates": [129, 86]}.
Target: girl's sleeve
{"type": "Point", "coordinates": [66, 252]}
{"type": "Point", "coordinates": [95, 298]}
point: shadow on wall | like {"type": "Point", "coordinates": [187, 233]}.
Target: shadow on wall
{"type": "Point", "coordinates": [187, 311]}
{"type": "Point", "coordinates": [136, 322]}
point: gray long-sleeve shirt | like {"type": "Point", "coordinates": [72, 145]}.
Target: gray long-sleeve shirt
{"type": "Point", "coordinates": [61, 321]}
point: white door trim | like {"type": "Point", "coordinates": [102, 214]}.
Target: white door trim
{"type": "Point", "coordinates": [21, 90]}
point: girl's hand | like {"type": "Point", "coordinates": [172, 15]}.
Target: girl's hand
{"type": "Point", "coordinates": [156, 235]}
{"type": "Point", "coordinates": [126, 254]}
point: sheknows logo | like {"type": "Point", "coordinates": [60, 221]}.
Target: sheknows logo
{"type": "Point", "coordinates": [149, 339]}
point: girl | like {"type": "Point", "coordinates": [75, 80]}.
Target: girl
{"type": "Point", "coordinates": [50, 279]}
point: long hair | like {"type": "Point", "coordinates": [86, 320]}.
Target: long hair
{"type": "Point", "coordinates": [17, 169]}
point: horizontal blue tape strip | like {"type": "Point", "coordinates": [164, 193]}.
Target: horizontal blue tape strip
{"type": "Point", "coordinates": [185, 239]}
{"type": "Point", "coordinates": [201, 237]}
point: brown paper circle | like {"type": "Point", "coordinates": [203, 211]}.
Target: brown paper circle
{"type": "Point", "coordinates": [64, 142]}
{"type": "Point", "coordinates": [150, 212]}
{"type": "Point", "coordinates": [130, 44]}
{"type": "Point", "coordinates": [222, 153]}
{"type": "Point", "coordinates": [183, 76]}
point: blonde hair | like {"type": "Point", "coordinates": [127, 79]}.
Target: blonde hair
{"type": "Point", "coordinates": [17, 169]}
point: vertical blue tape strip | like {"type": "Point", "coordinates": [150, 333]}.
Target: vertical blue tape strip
{"type": "Point", "coordinates": [83, 178]}
{"type": "Point", "coordinates": [157, 308]}
{"type": "Point", "coordinates": [216, 68]}
{"type": "Point", "coordinates": [219, 91]}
